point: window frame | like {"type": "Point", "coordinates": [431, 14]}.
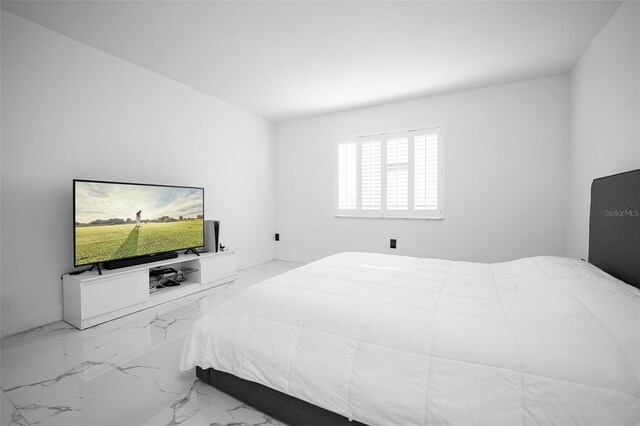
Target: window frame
{"type": "Point", "coordinates": [384, 213]}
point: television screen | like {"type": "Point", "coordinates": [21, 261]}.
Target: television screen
{"type": "Point", "coordinates": [122, 220]}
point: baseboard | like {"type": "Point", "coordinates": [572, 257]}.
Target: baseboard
{"type": "Point", "coordinates": [293, 256]}
{"type": "Point", "coordinates": [21, 322]}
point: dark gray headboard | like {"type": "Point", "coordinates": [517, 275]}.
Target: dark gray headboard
{"type": "Point", "coordinates": [614, 226]}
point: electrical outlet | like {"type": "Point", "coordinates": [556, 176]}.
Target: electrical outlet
{"type": "Point", "coordinates": [277, 237]}
{"type": "Point", "coordinates": [392, 243]}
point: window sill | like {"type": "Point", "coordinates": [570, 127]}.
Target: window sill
{"type": "Point", "coordinates": [348, 216]}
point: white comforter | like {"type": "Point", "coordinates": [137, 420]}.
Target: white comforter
{"type": "Point", "coordinates": [393, 340]}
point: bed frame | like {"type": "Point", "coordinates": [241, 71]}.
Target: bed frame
{"type": "Point", "coordinates": [614, 247]}
{"type": "Point", "coordinates": [286, 408]}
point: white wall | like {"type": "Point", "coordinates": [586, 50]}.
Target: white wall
{"type": "Point", "coordinates": [505, 177]}
{"type": "Point", "coordinates": [605, 112]}
{"type": "Point", "coordinates": [71, 111]}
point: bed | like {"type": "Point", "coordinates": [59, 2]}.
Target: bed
{"type": "Point", "coordinates": [364, 338]}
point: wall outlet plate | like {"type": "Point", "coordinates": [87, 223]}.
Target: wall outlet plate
{"type": "Point", "coordinates": [392, 243]}
{"type": "Point", "coordinates": [277, 237]}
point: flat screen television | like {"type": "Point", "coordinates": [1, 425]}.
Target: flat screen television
{"type": "Point", "coordinates": [114, 221]}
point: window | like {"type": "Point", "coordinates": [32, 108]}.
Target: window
{"type": "Point", "coordinates": [371, 175]}
{"type": "Point", "coordinates": [397, 174]}
{"type": "Point", "coordinates": [392, 175]}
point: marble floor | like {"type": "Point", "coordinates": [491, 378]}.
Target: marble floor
{"type": "Point", "coordinates": [124, 372]}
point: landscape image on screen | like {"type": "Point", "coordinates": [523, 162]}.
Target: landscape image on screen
{"type": "Point", "coordinates": [117, 220]}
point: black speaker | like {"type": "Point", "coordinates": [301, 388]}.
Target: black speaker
{"type": "Point", "coordinates": [212, 234]}
{"type": "Point", "coordinates": [116, 264]}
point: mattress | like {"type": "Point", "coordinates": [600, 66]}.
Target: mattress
{"type": "Point", "coordinates": [394, 340]}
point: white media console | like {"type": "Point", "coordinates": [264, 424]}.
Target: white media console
{"type": "Point", "coordinates": [91, 299]}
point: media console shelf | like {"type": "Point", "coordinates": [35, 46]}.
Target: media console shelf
{"type": "Point", "coordinates": [91, 299]}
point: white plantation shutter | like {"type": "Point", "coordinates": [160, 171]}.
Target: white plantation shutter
{"type": "Point", "coordinates": [397, 175]}
{"type": "Point", "coordinates": [347, 183]}
{"type": "Point", "coordinates": [371, 172]}
{"type": "Point", "coordinates": [426, 172]}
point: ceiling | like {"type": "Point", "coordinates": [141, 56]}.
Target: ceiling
{"type": "Point", "coordinates": [290, 59]}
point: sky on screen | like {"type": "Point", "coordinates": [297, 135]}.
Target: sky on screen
{"type": "Point", "coordinates": [98, 200]}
